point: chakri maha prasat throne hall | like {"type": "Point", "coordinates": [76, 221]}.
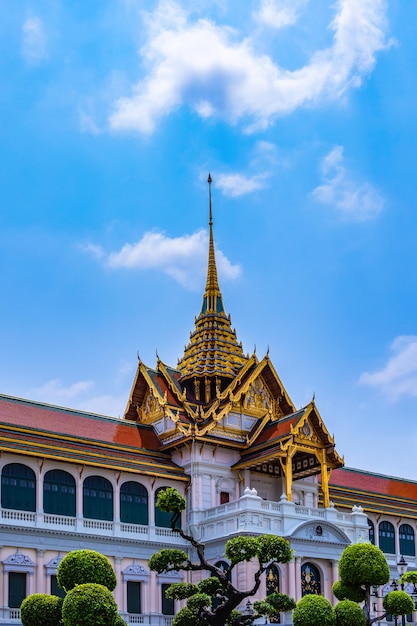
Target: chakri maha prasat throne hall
{"type": "Point", "coordinates": [222, 429]}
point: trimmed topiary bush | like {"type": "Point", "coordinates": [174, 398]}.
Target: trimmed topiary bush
{"type": "Point", "coordinates": [398, 603]}
{"type": "Point", "coordinates": [363, 564]}
{"type": "Point", "coordinates": [41, 609]}
{"type": "Point", "coordinates": [313, 610]}
{"type": "Point", "coordinates": [119, 621]}
{"type": "Point", "coordinates": [349, 613]}
{"type": "Point", "coordinates": [89, 605]}
{"type": "Point", "coordinates": [345, 592]}
{"type": "Point", "coordinates": [85, 566]}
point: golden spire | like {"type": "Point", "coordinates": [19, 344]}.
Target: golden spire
{"type": "Point", "coordinates": [213, 351]}
{"type": "Point", "coordinates": [212, 299]}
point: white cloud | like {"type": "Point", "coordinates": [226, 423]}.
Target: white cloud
{"type": "Point", "coordinates": [398, 378]}
{"type": "Point", "coordinates": [34, 47]}
{"type": "Point", "coordinates": [279, 13]}
{"type": "Point", "coordinates": [208, 68]}
{"type": "Point", "coordinates": [353, 200]}
{"type": "Point", "coordinates": [183, 258]}
{"type": "Point", "coordinates": [235, 185]}
{"type": "Point", "coordinates": [79, 396]}
{"type": "Point", "coordinates": [54, 392]}
{"type": "Point", "coordinates": [260, 169]}
{"type": "Point", "coordinates": [105, 404]}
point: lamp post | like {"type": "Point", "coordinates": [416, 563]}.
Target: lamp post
{"type": "Point", "coordinates": [249, 609]}
{"type": "Point", "coordinates": [401, 569]}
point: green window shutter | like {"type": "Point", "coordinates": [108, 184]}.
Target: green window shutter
{"type": "Point", "coordinates": [371, 532]}
{"type": "Point", "coordinates": [56, 590]}
{"type": "Point", "coordinates": [17, 589]}
{"type": "Point", "coordinates": [386, 535]}
{"type": "Point", "coordinates": [163, 519]}
{"type": "Point", "coordinates": [134, 503]}
{"type": "Point", "coordinates": [59, 493]}
{"type": "Point", "coordinates": [134, 603]}
{"type": "Point", "coordinates": [18, 487]}
{"type": "Point", "coordinates": [167, 603]}
{"type": "Point", "coordinates": [407, 541]}
{"type": "Point", "coordinates": [98, 498]}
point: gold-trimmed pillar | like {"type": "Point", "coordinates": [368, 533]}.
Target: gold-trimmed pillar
{"type": "Point", "coordinates": [288, 474]}
{"type": "Point", "coordinates": [325, 481]}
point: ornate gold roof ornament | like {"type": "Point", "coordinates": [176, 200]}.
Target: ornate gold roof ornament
{"type": "Point", "coordinates": [213, 356]}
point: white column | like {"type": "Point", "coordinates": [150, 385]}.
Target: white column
{"type": "Point", "coordinates": [335, 577]}
{"type": "Point", "coordinates": [40, 573]}
{"type": "Point", "coordinates": [297, 578]}
{"type": "Point", "coordinates": [79, 495]}
{"type": "Point", "coordinates": [291, 579]}
{"type": "Point", "coordinates": [119, 586]}
{"type": "Point", "coordinates": [155, 593]}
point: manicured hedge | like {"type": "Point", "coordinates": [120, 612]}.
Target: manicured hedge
{"type": "Point", "coordinates": [89, 605]}
{"type": "Point", "coordinates": [85, 566]}
{"type": "Point", "coordinates": [313, 610]}
{"type": "Point", "coordinates": [41, 609]}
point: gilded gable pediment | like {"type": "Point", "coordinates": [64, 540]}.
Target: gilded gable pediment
{"type": "Point", "coordinates": [257, 398]}
{"type": "Point", "coordinates": [152, 408]}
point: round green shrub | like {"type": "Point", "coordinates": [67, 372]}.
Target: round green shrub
{"type": "Point", "coordinates": [346, 592]}
{"type": "Point", "coordinates": [89, 605]}
{"type": "Point", "coordinates": [349, 613]}
{"type": "Point", "coordinates": [398, 603]}
{"type": "Point", "coordinates": [313, 610]}
{"type": "Point", "coordinates": [363, 564]}
{"type": "Point", "coordinates": [41, 609]}
{"type": "Point", "coordinates": [85, 566]}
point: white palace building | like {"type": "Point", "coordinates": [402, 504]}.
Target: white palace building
{"type": "Point", "coordinates": [222, 429]}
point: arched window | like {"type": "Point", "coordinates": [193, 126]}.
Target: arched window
{"type": "Point", "coordinates": [272, 586]}
{"type": "Point", "coordinates": [310, 579]}
{"type": "Point", "coordinates": [59, 493]}
{"type": "Point", "coordinates": [386, 535]}
{"type": "Point", "coordinates": [98, 498]}
{"type": "Point", "coordinates": [371, 531]}
{"type": "Point", "coordinates": [134, 503]}
{"type": "Point", "coordinates": [161, 518]}
{"type": "Point", "coordinates": [407, 542]}
{"type": "Point", "coordinates": [18, 487]}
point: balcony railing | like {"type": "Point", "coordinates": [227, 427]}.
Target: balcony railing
{"type": "Point", "coordinates": [120, 530]}
{"type": "Point", "coordinates": [252, 514]}
{"type": "Point", "coordinates": [11, 617]}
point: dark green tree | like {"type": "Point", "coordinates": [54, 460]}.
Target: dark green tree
{"type": "Point", "coordinates": [361, 567]}
{"type": "Point", "coordinates": [85, 566]}
{"type": "Point", "coordinates": [89, 604]}
{"type": "Point", "coordinates": [313, 610]}
{"type": "Point", "coordinates": [88, 578]}
{"type": "Point", "coordinates": [41, 609]}
{"type": "Point", "coordinates": [349, 613]}
{"type": "Point", "coordinates": [214, 600]}
{"type": "Point", "coordinates": [398, 603]}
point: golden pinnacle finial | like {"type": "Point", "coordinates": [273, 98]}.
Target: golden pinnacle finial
{"type": "Point", "coordinates": [213, 352]}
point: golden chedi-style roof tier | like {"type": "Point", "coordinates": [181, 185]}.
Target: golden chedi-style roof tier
{"type": "Point", "coordinates": [213, 349]}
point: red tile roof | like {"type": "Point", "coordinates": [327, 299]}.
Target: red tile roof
{"type": "Point", "coordinates": [374, 492]}
{"type": "Point", "coordinates": [76, 436]}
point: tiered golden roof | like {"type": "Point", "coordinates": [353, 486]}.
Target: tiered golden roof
{"type": "Point", "coordinates": [213, 350]}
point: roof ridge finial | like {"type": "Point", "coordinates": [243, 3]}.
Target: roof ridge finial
{"type": "Point", "coordinates": [212, 302]}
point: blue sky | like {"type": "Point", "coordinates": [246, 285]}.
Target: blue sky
{"type": "Point", "coordinates": [113, 113]}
